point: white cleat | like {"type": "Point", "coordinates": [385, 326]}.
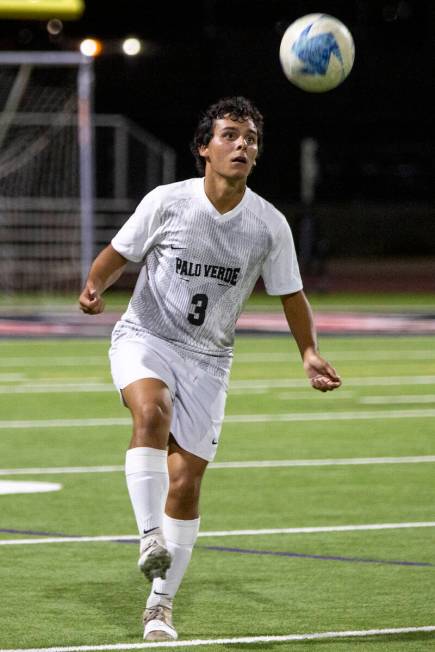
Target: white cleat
{"type": "Point", "coordinates": [158, 624]}
{"type": "Point", "coordinates": [154, 558]}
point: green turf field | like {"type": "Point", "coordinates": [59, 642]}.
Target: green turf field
{"type": "Point", "coordinates": [53, 397]}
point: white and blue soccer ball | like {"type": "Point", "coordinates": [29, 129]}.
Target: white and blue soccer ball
{"type": "Point", "coordinates": [317, 52]}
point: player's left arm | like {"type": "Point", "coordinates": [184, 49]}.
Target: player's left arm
{"type": "Point", "coordinates": [301, 323]}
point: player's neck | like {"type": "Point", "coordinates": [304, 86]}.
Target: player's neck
{"type": "Point", "coordinates": [224, 194]}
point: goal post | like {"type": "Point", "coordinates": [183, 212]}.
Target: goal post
{"type": "Point", "coordinates": [47, 172]}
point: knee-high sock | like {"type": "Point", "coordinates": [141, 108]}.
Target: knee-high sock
{"type": "Point", "coordinates": [146, 471]}
{"type": "Point", "coordinates": [180, 538]}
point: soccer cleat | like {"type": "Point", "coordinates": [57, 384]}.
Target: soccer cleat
{"type": "Point", "coordinates": [158, 625]}
{"type": "Point", "coordinates": [154, 558]}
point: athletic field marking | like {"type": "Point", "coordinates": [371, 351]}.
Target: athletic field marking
{"type": "Point", "coordinates": [361, 633]}
{"type": "Point", "coordinates": [369, 381]}
{"type": "Point", "coordinates": [255, 386]}
{"type": "Point", "coordinates": [301, 555]}
{"type": "Point", "coordinates": [227, 533]}
{"type": "Point", "coordinates": [230, 419]}
{"type": "Point", "coordinates": [354, 356]}
{"type": "Point", "coordinates": [62, 470]}
{"type": "Point", "coordinates": [78, 387]}
{"type": "Point", "coordinates": [11, 378]}
{"type": "Point", "coordinates": [397, 400]}
{"type": "Point", "coordinates": [241, 358]}
{"type": "Point", "coordinates": [65, 423]}
{"type": "Point", "coordinates": [416, 459]}
{"type": "Point", "coordinates": [57, 388]}
{"type": "Point", "coordinates": [329, 416]}
{"type": "Point", "coordinates": [96, 387]}
{"type": "Point", "coordinates": [250, 551]}
{"type": "Point", "coordinates": [309, 395]}
{"type": "Point", "coordinates": [34, 533]}
{"type": "Point", "coordinates": [16, 487]}
{"type": "Point", "coordinates": [48, 361]}
{"type": "Point", "coordinates": [255, 464]}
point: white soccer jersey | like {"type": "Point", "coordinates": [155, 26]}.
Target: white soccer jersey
{"type": "Point", "coordinates": [200, 266]}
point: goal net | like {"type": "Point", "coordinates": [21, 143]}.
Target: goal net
{"type": "Point", "coordinates": [46, 171]}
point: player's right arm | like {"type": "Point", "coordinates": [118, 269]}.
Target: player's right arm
{"type": "Point", "coordinates": [105, 270]}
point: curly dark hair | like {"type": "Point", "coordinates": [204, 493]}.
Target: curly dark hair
{"type": "Point", "coordinates": [238, 108]}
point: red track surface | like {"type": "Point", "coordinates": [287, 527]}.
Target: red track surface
{"type": "Point", "coordinates": [78, 325]}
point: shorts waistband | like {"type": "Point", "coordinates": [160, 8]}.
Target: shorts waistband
{"type": "Point", "coordinates": [207, 363]}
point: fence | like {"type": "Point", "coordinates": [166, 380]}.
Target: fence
{"type": "Point", "coordinates": [68, 177]}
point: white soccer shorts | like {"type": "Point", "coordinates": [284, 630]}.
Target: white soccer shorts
{"type": "Point", "coordinates": [198, 397]}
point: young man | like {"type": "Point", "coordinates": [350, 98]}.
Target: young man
{"type": "Point", "coordinates": [204, 242]}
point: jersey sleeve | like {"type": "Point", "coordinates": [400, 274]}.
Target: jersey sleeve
{"type": "Point", "coordinates": [138, 233]}
{"type": "Point", "coordinates": [280, 271]}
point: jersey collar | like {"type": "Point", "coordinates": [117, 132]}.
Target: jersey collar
{"type": "Point", "coordinates": [222, 217]}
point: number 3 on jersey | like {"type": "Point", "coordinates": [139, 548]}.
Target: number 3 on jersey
{"type": "Point", "coordinates": [198, 307]}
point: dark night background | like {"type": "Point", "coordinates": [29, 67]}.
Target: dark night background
{"type": "Point", "coordinates": [375, 132]}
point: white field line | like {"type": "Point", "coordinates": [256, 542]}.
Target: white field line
{"type": "Point", "coordinates": [369, 381]}
{"type": "Point", "coordinates": [226, 533]}
{"type": "Point", "coordinates": [68, 380]}
{"type": "Point", "coordinates": [231, 419]}
{"type": "Point", "coordinates": [255, 464]}
{"type": "Point", "coordinates": [237, 387]}
{"type": "Point", "coordinates": [351, 356]}
{"type": "Point", "coordinates": [329, 416]}
{"type": "Point", "coordinates": [57, 388]}
{"type": "Point", "coordinates": [406, 399]}
{"type": "Point", "coordinates": [11, 378]}
{"type": "Point", "coordinates": [397, 400]}
{"type": "Point", "coordinates": [85, 387]}
{"type": "Point", "coordinates": [53, 361]}
{"type": "Point", "coordinates": [241, 358]}
{"type": "Point", "coordinates": [416, 459]}
{"type": "Point", "coordinates": [65, 423]}
{"type": "Point", "coordinates": [254, 386]}
{"type": "Point", "coordinates": [241, 640]}
{"type": "Point", "coordinates": [292, 395]}
{"type": "Point", "coordinates": [61, 470]}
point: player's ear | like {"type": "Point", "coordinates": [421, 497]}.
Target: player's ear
{"type": "Point", "coordinates": [203, 150]}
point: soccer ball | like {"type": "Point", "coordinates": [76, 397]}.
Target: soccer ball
{"type": "Point", "coordinates": [317, 52]}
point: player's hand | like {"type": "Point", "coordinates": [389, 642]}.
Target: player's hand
{"type": "Point", "coordinates": [90, 301]}
{"type": "Point", "coordinates": [321, 374]}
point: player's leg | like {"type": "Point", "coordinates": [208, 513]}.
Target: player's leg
{"type": "Point", "coordinates": [180, 529]}
{"type": "Point", "coordinates": [150, 403]}
{"type": "Point", "coordinates": [181, 517]}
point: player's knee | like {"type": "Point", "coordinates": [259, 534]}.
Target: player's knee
{"type": "Point", "coordinates": [151, 418]}
{"type": "Point", "coordinates": [185, 489]}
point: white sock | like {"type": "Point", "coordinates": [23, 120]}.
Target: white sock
{"type": "Point", "coordinates": [146, 472]}
{"type": "Point", "coordinates": [180, 538]}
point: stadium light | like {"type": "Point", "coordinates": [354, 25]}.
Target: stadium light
{"type": "Point", "coordinates": [131, 46]}
{"type": "Point", "coordinates": [91, 47]}
{"type": "Point", "coordinates": [54, 26]}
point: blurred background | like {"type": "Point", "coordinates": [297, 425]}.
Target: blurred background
{"type": "Point", "coordinates": [352, 169]}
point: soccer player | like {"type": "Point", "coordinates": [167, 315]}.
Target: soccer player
{"type": "Point", "coordinates": [203, 243]}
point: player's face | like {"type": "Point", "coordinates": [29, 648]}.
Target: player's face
{"type": "Point", "coordinates": [233, 148]}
